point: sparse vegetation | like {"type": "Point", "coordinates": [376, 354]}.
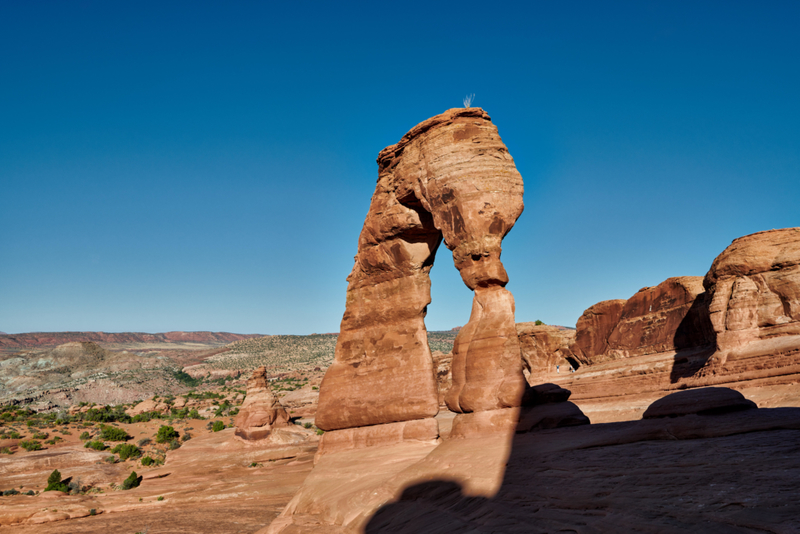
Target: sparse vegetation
{"type": "Point", "coordinates": [132, 481]}
{"type": "Point", "coordinates": [166, 433]}
{"type": "Point", "coordinates": [126, 450]}
{"type": "Point", "coordinates": [110, 433]}
{"type": "Point", "coordinates": [96, 445]}
{"type": "Point", "coordinates": [30, 445]}
{"type": "Point", "coordinates": [54, 482]}
{"type": "Point", "coordinates": [217, 426]}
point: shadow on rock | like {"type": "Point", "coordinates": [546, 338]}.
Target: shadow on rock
{"type": "Point", "coordinates": [694, 340]}
{"type": "Point", "coordinates": [703, 461]}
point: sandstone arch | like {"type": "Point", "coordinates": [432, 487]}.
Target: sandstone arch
{"type": "Point", "coordinates": [450, 178]}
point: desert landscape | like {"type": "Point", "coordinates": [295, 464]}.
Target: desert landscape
{"type": "Point", "coordinates": [675, 409]}
{"type": "Point", "coordinates": [412, 268]}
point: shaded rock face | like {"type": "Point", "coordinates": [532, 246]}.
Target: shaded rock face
{"type": "Point", "coordinates": [670, 316]}
{"type": "Point", "coordinates": [544, 346]}
{"type": "Point", "coordinates": [261, 410]}
{"type": "Point", "coordinates": [702, 401]}
{"type": "Point", "coordinates": [442, 366]}
{"type": "Point", "coordinates": [452, 178]}
{"type": "Point", "coordinates": [754, 288]}
{"type": "Point", "coordinates": [594, 327]}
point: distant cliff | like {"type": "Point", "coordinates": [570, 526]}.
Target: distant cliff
{"type": "Point", "coordinates": [52, 339]}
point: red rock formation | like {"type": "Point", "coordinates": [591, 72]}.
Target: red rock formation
{"type": "Point", "coordinates": [754, 289]}
{"type": "Point", "coordinates": [261, 410]}
{"type": "Point", "coordinates": [672, 315]}
{"type": "Point", "coordinates": [594, 327]}
{"type": "Point", "coordinates": [449, 177]}
{"type": "Point", "coordinates": [544, 347]}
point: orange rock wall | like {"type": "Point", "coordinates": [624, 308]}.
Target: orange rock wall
{"type": "Point", "coordinates": [449, 178]}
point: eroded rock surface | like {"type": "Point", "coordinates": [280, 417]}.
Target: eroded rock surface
{"type": "Point", "coordinates": [670, 316]}
{"type": "Point", "coordinates": [754, 292]}
{"type": "Point", "coordinates": [452, 178]}
{"type": "Point", "coordinates": [703, 401]}
{"type": "Point", "coordinates": [544, 346]}
{"type": "Point", "coordinates": [261, 410]}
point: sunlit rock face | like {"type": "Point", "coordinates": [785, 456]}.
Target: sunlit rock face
{"type": "Point", "coordinates": [261, 410]}
{"type": "Point", "coordinates": [450, 178]}
{"type": "Point", "coordinates": [754, 294]}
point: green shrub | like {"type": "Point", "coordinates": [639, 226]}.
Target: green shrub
{"type": "Point", "coordinates": [12, 491]}
{"type": "Point", "coordinates": [6, 450]}
{"type": "Point", "coordinates": [307, 425]}
{"type": "Point", "coordinates": [40, 435]}
{"type": "Point", "coordinates": [110, 433]}
{"type": "Point", "coordinates": [126, 450]}
{"type": "Point", "coordinates": [194, 414]}
{"type": "Point", "coordinates": [14, 435]}
{"type": "Point", "coordinates": [538, 322]}
{"type": "Point", "coordinates": [96, 445]}
{"type": "Point", "coordinates": [160, 498]}
{"type": "Point", "coordinates": [144, 441]}
{"type": "Point", "coordinates": [30, 445]}
{"type": "Point", "coordinates": [166, 433]}
{"type": "Point", "coordinates": [84, 436]}
{"type": "Point", "coordinates": [147, 461]}
{"type": "Point", "coordinates": [132, 481]}
{"type": "Point", "coordinates": [54, 482]}
{"type": "Point", "coordinates": [217, 426]}
{"type": "Point", "coordinates": [174, 444]}
{"type": "Point", "coordinates": [320, 431]}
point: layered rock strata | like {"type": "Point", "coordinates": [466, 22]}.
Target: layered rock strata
{"type": "Point", "coordinates": [544, 347]}
{"type": "Point", "coordinates": [670, 316]}
{"type": "Point", "coordinates": [261, 410]}
{"type": "Point", "coordinates": [754, 294]}
{"type": "Point", "coordinates": [452, 178]}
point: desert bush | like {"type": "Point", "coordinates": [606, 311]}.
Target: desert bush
{"type": "Point", "coordinates": [5, 450]}
{"type": "Point", "coordinates": [126, 450]}
{"type": "Point", "coordinates": [166, 433]}
{"type": "Point", "coordinates": [538, 322]}
{"type": "Point", "coordinates": [40, 435]}
{"type": "Point", "coordinates": [194, 414]}
{"type": "Point", "coordinates": [132, 481]}
{"type": "Point", "coordinates": [174, 444]}
{"type": "Point", "coordinates": [30, 445]}
{"type": "Point", "coordinates": [12, 491]}
{"type": "Point", "coordinates": [186, 379]}
{"type": "Point", "coordinates": [14, 435]}
{"type": "Point", "coordinates": [54, 482]}
{"type": "Point", "coordinates": [84, 436]}
{"type": "Point", "coordinates": [144, 441]}
{"type": "Point", "coordinates": [146, 461]}
{"type": "Point", "coordinates": [96, 445]}
{"type": "Point", "coordinates": [217, 426]}
{"type": "Point", "coordinates": [110, 433]}
{"type": "Point", "coordinates": [320, 431]}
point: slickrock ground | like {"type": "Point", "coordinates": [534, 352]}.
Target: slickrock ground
{"type": "Point", "coordinates": [735, 472]}
{"type": "Point", "coordinates": [212, 483]}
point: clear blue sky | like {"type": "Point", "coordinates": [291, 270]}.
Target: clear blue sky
{"type": "Point", "coordinates": [208, 166]}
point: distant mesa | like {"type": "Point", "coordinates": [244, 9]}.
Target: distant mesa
{"type": "Point", "coordinates": [48, 339]}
